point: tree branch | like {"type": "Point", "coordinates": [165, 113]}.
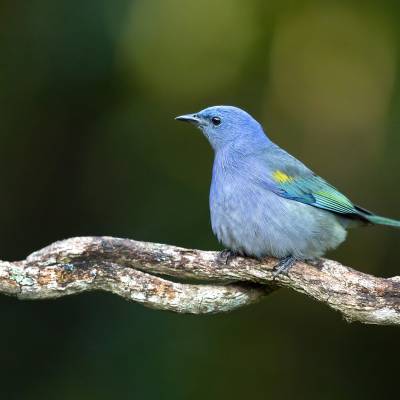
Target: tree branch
{"type": "Point", "coordinates": [131, 269]}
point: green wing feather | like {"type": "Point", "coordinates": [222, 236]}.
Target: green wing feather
{"type": "Point", "coordinates": [318, 193]}
{"type": "Point", "coordinates": [314, 191]}
{"type": "Point", "coordinates": [290, 178]}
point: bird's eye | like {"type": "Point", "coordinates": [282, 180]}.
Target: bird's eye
{"type": "Point", "coordinates": [216, 121]}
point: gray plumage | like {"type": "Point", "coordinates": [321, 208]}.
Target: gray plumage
{"type": "Point", "coordinates": [258, 222]}
{"type": "Point", "coordinates": [263, 201]}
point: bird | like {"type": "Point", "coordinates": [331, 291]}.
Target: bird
{"type": "Point", "coordinates": [265, 202]}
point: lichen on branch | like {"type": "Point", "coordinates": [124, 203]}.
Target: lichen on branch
{"type": "Point", "coordinates": [142, 272]}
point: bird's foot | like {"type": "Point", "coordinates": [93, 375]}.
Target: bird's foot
{"type": "Point", "coordinates": [225, 256]}
{"type": "Point", "coordinates": [284, 265]}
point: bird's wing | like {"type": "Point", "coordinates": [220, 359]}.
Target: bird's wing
{"type": "Point", "coordinates": [312, 190]}
{"type": "Point", "coordinates": [289, 178]}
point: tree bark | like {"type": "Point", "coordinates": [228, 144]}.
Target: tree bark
{"type": "Point", "coordinates": [142, 272]}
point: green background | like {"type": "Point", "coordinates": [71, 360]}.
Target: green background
{"type": "Point", "coordinates": [89, 146]}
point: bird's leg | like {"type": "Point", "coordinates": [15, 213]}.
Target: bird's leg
{"type": "Point", "coordinates": [284, 265]}
{"type": "Point", "coordinates": [225, 256]}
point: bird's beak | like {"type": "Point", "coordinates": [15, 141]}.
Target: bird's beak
{"type": "Point", "coordinates": [192, 118]}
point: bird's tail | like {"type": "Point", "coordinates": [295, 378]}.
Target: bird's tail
{"type": "Point", "coordinates": [377, 220]}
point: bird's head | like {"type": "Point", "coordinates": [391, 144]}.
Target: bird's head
{"type": "Point", "coordinates": [224, 125]}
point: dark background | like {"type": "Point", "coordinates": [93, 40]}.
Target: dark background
{"type": "Point", "coordinates": [89, 146]}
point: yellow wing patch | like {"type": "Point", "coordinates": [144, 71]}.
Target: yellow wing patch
{"type": "Point", "coordinates": [281, 177]}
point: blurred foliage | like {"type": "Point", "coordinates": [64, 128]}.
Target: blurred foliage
{"type": "Point", "coordinates": [89, 146]}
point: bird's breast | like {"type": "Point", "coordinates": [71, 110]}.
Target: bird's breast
{"type": "Point", "coordinates": [235, 210]}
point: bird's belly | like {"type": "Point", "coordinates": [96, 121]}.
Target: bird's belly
{"type": "Point", "coordinates": [260, 223]}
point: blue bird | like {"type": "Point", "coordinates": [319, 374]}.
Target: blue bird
{"type": "Point", "coordinates": [265, 202]}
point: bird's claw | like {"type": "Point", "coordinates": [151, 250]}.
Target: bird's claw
{"type": "Point", "coordinates": [284, 266]}
{"type": "Point", "coordinates": [225, 256]}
